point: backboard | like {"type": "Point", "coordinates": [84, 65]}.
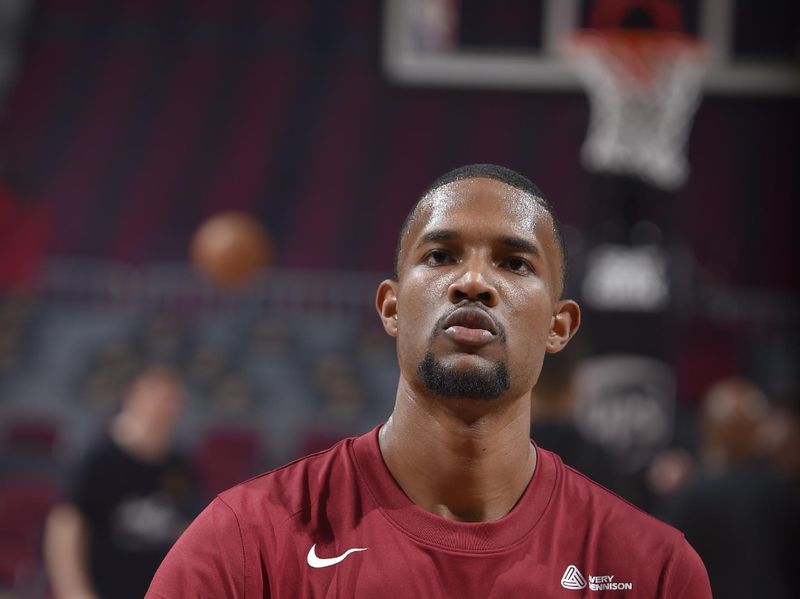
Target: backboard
{"type": "Point", "coordinates": [517, 44]}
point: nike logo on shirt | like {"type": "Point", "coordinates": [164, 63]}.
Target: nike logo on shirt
{"type": "Point", "coordinates": [324, 562]}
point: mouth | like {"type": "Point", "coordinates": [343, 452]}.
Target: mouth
{"type": "Point", "coordinates": [470, 326]}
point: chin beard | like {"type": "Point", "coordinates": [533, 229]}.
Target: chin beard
{"type": "Point", "coordinates": [471, 383]}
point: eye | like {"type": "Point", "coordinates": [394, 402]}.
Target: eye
{"type": "Point", "coordinates": [518, 265]}
{"type": "Point", "coordinates": [437, 257]}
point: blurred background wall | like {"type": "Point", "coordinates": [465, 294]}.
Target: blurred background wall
{"type": "Point", "coordinates": [126, 124]}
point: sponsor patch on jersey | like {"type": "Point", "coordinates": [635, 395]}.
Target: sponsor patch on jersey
{"type": "Point", "coordinates": [574, 580]}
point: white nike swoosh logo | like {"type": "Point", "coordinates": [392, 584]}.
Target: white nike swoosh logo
{"type": "Point", "coordinates": [324, 562]}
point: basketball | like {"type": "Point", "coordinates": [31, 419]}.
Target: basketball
{"type": "Point", "coordinates": [231, 249]}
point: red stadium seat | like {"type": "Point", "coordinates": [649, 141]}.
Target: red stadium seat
{"type": "Point", "coordinates": [24, 504]}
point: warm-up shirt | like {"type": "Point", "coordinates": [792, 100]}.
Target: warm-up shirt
{"type": "Point", "coordinates": [336, 524]}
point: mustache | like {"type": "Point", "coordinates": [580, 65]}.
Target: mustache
{"type": "Point", "coordinates": [438, 327]}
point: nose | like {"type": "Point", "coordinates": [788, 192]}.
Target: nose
{"type": "Point", "coordinates": [472, 285]}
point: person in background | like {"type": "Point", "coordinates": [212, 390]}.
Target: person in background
{"type": "Point", "coordinates": [736, 511]}
{"type": "Point", "coordinates": [132, 497]}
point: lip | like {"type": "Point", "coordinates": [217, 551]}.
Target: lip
{"type": "Point", "coordinates": [470, 326]}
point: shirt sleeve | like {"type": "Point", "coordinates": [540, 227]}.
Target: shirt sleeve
{"type": "Point", "coordinates": [208, 560]}
{"type": "Point", "coordinates": [686, 576]}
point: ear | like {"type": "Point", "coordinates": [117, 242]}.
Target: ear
{"type": "Point", "coordinates": [563, 325]}
{"type": "Point", "coordinates": [386, 304]}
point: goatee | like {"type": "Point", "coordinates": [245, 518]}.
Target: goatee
{"type": "Point", "coordinates": [470, 383]}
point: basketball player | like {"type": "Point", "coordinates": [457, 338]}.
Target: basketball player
{"type": "Point", "coordinates": [448, 498]}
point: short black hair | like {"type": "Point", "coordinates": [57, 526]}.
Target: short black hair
{"type": "Point", "coordinates": [488, 171]}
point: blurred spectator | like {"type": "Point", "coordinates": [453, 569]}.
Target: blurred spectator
{"type": "Point", "coordinates": [736, 511]}
{"type": "Point", "coordinates": [553, 424]}
{"type": "Point", "coordinates": [131, 498]}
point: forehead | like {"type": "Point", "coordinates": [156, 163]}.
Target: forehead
{"type": "Point", "coordinates": [487, 205]}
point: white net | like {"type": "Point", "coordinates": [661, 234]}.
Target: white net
{"type": "Point", "coordinates": [643, 92]}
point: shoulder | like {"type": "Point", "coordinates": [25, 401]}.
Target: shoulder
{"type": "Point", "coordinates": [617, 541]}
{"type": "Point", "coordinates": [101, 450]}
{"type": "Point", "coordinates": [586, 505]}
{"type": "Point", "coordinates": [223, 551]}
{"type": "Point", "coordinates": [209, 559]}
{"type": "Point", "coordinates": [292, 488]}
{"type": "Point", "coordinates": [95, 464]}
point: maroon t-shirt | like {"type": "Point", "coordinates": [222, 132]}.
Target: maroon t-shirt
{"type": "Point", "coordinates": [336, 524]}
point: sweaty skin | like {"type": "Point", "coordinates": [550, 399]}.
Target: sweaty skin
{"type": "Point", "coordinates": [476, 244]}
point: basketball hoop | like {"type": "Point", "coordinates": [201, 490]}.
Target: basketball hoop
{"type": "Point", "coordinates": [644, 87]}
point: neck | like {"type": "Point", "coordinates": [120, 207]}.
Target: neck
{"type": "Point", "coordinates": [467, 460]}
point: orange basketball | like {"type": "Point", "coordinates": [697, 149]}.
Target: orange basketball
{"type": "Point", "coordinates": [231, 248]}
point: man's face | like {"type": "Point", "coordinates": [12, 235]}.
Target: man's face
{"type": "Point", "coordinates": [476, 303]}
{"type": "Point", "coordinates": [157, 402]}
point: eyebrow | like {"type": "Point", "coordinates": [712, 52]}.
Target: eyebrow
{"type": "Point", "coordinates": [511, 241]}
{"type": "Point", "coordinates": [520, 244]}
{"type": "Point", "coordinates": [437, 235]}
